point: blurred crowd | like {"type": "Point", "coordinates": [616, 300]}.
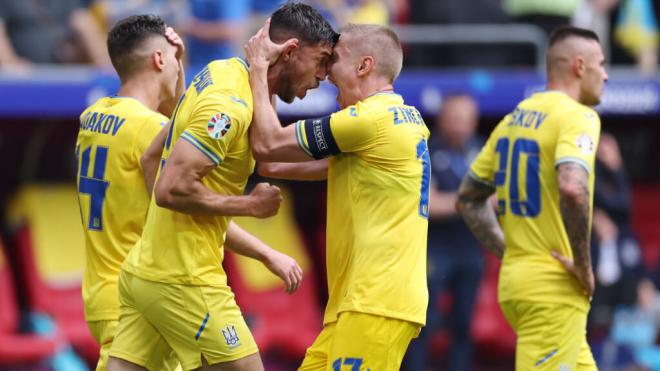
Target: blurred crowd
{"type": "Point", "coordinates": [73, 31]}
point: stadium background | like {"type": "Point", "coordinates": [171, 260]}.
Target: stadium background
{"type": "Point", "coordinates": [478, 47]}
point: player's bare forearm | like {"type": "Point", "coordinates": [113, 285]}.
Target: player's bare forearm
{"type": "Point", "coordinates": [268, 139]}
{"type": "Point", "coordinates": [196, 199]}
{"type": "Point", "coordinates": [575, 211]}
{"type": "Point", "coordinates": [473, 205]}
{"type": "Point", "coordinates": [243, 243]}
{"type": "Point", "coordinates": [167, 107]}
{"type": "Point", "coordinates": [180, 188]}
{"type": "Point", "coordinates": [310, 170]}
{"type": "Point", "coordinates": [150, 159]}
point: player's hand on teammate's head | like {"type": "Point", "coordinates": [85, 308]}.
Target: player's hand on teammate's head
{"type": "Point", "coordinates": [261, 51]}
{"type": "Point", "coordinates": [286, 268]}
{"type": "Point", "coordinates": [175, 40]}
{"type": "Point", "coordinates": [266, 200]}
{"type": "Point", "coordinates": [584, 275]}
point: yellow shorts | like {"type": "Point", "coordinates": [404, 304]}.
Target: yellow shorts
{"type": "Point", "coordinates": [196, 321]}
{"type": "Point", "coordinates": [550, 336]}
{"type": "Point", "coordinates": [360, 341]}
{"type": "Point", "coordinates": [162, 356]}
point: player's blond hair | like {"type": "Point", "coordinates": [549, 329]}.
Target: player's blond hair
{"type": "Point", "coordinates": [380, 42]}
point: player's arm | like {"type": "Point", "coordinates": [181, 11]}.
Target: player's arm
{"type": "Point", "coordinates": [150, 159]}
{"type": "Point", "coordinates": [285, 267]}
{"type": "Point", "coordinates": [574, 204]}
{"type": "Point", "coordinates": [181, 189]}
{"type": "Point", "coordinates": [215, 124]}
{"type": "Point", "coordinates": [269, 140]}
{"type": "Point", "coordinates": [474, 206]}
{"type": "Point", "coordinates": [575, 155]}
{"type": "Point", "coordinates": [310, 170]}
{"type": "Point", "coordinates": [167, 107]}
{"type": "Point", "coordinates": [474, 194]}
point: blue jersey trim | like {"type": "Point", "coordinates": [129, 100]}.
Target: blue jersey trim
{"type": "Point", "coordinates": [244, 63]}
{"type": "Point", "coordinates": [200, 146]}
{"type": "Point", "coordinates": [202, 327]}
{"type": "Point", "coordinates": [300, 139]}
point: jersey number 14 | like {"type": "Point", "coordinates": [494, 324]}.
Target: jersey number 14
{"type": "Point", "coordinates": [95, 185]}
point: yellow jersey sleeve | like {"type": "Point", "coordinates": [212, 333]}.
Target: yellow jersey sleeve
{"type": "Point", "coordinates": [343, 131]}
{"type": "Point", "coordinates": [146, 134]}
{"type": "Point", "coordinates": [483, 167]}
{"type": "Point", "coordinates": [216, 121]}
{"type": "Point", "coordinates": [351, 131]}
{"type": "Point", "coordinates": [577, 139]}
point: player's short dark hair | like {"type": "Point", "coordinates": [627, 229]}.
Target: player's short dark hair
{"type": "Point", "coordinates": [301, 21]}
{"type": "Point", "coordinates": [127, 35]}
{"type": "Point", "coordinates": [564, 32]}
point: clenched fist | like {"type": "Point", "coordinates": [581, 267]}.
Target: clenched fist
{"type": "Point", "coordinates": [266, 200]}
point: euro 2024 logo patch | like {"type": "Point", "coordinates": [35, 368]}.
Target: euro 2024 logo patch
{"type": "Point", "coordinates": [585, 144]}
{"type": "Point", "coordinates": [218, 125]}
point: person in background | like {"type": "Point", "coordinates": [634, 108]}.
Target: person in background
{"type": "Point", "coordinates": [214, 30]}
{"type": "Point", "coordinates": [40, 31]}
{"type": "Point", "coordinates": [615, 249]}
{"type": "Point", "coordinates": [455, 260]}
{"type": "Point", "coordinates": [539, 160]}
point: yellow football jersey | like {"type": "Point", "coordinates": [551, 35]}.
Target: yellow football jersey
{"type": "Point", "coordinates": [520, 160]}
{"type": "Point", "coordinates": [213, 115]}
{"type": "Point", "coordinates": [377, 219]}
{"type": "Point", "coordinates": [114, 133]}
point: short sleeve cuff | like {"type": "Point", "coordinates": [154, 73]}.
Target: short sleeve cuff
{"type": "Point", "coordinates": [301, 138]}
{"type": "Point", "coordinates": [201, 147]}
{"type": "Point", "coordinates": [576, 160]}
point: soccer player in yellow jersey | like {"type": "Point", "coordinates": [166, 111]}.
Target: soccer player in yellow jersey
{"type": "Point", "coordinates": [114, 133]}
{"type": "Point", "coordinates": [378, 182]}
{"type": "Point", "coordinates": [172, 286]}
{"type": "Point", "coordinates": [539, 161]}
{"type": "Point", "coordinates": [114, 158]}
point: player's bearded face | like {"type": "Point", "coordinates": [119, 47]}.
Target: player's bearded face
{"type": "Point", "coordinates": [305, 70]}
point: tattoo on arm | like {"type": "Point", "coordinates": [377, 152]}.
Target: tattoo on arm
{"type": "Point", "coordinates": [479, 215]}
{"type": "Point", "coordinates": [575, 210]}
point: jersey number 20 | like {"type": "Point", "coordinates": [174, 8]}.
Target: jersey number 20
{"type": "Point", "coordinates": [95, 185]}
{"type": "Point", "coordinates": [531, 206]}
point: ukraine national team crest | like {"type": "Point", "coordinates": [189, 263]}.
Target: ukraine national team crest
{"type": "Point", "coordinates": [218, 125]}
{"type": "Point", "coordinates": [231, 337]}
